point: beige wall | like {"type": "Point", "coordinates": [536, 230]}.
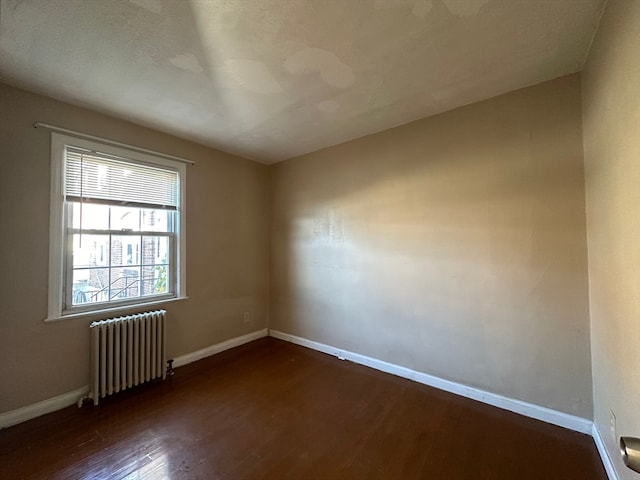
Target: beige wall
{"type": "Point", "coordinates": [454, 245]}
{"type": "Point", "coordinates": [227, 238]}
{"type": "Point", "coordinates": [611, 112]}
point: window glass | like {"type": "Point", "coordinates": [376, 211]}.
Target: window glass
{"type": "Point", "coordinates": [125, 250]}
{"type": "Point", "coordinates": [90, 250]}
{"type": "Point", "coordinates": [125, 218]}
{"type": "Point", "coordinates": [155, 220]}
{"type": "Point", "coordinates": [89, 216]}
{"type": "Point", "coordinates": [90, 285]}
{"type": "Point", "coordinates": [115, 230]}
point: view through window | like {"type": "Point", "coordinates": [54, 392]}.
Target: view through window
{"type": "Point", "coordinates": [119, 252]}
{"type": "Point", "coordinates": [117, 236]}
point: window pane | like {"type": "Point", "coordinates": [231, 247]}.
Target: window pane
{"type": "Point", "coordinates": [90, 285]}
{"type": "Point", "coordinates": [155, 250]}
{"type": "Point", "coordinates": [155, 279]}
{"type": "Point", "coordinates": [125, 283]}
{"type": "Point", "coordinates": [125, 218]}
{"type": "Point", "coordinates": [89, 216]}
{"type": "Point", "coordinates": [125, 250]}
{"type": "Point", "coordinates": [90, 250]}
{"type": "Point", "coordinates": [155, 220]}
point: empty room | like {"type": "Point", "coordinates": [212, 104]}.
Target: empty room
{"type": "Point", "coordinates": [304, 239]}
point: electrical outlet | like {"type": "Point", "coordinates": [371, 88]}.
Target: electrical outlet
{"type": "Point", "coordinates": [612, 425]}
{"type": "Point", "coordinates": [247, 317]}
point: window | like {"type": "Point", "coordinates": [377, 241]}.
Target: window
{"type": "Point", "coordinates": [117, 228]}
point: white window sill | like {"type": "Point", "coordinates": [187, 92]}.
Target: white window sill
{"type": "Point", "coordinates": [108, 311]}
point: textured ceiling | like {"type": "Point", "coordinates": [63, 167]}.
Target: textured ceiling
{"type": "Point", "coordinates": [273, 79]}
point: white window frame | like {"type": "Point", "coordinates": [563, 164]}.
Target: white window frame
{"type": "Point", "coordinates": [58, 249]}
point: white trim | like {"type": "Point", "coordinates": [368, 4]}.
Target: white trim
{"type": "Point", "coordinates": [604, 454]}
{"type": "Point", "coordinates": [218, 347]}
{"type": "Point", "coordinates": [56, 229]}
{"type": "Point", "coordinates": [531, 410]}
{"type": "Point", "coordinates": [57, 235]}
{"type": "Point", "coordinates": [109, 311]}
{"type": "Point", "coordinates": [49, 405]}
{"type": "Point", "coordinates": [548, 415]}
{"type": "Point", "coordinates": [86, 136]}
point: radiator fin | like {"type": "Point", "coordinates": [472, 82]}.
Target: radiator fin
{"type": "Point", "coordinates": [127, 351]}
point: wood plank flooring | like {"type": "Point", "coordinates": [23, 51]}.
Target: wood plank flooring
{"type": "Point", "coordinates": [271, 410]}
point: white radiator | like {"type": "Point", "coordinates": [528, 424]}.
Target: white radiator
{"type": "Point", "coordinates": [127, 351]}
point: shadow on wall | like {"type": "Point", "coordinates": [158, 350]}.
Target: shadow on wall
{"type": "Point", "coordinates": [44, 360]}
{"type": "Point", "coordinates": [444, 245]}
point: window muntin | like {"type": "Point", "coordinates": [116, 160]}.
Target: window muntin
{"type": "Point", "coordinates": [117, 235]}
{"type": "Point", "coordinates": [121, 261]}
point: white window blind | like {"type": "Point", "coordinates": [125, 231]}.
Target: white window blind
{"type": "Point", "coordinates": [93, 176]}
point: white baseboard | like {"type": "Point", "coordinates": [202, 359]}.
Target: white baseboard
{"type": "Point", "coordinates": [545, 414]}
{"type": "Point", "coordinates": [49, 405]}
{"type": "Point", "coordinates": [531, 410]}
{"type": "Point", "coordinates": [218, 347]}
{"type": "Point", "coordinates": [604, 454]}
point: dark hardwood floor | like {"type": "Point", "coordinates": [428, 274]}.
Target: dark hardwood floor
{"type": "Point", "coordinates": [272, 410]}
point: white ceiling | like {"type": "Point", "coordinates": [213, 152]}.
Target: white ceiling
{"type": "Point", "coordinates": [273, 79]}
